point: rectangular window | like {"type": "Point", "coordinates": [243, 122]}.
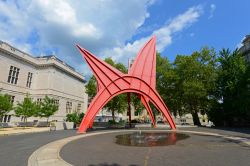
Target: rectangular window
{"type": "Point", "coordinates": [39, 100]}
{"type": "Point", "coordinates": [13, 75]}
{"type": "Point", "coordinates": [68, 107]}
{"type": "Point", "coordinates": [79, 108]}
{"type": "Point", "coordinates": [8, 120]}
{"type": "Point", "coordinates": [29, 79]}
{"type": "Point", "coordinates": [5, 119]}
{"type": "Point", "coordinates": [56, 101]}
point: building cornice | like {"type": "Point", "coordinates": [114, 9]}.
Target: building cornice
{"type": "Point", "coordinates": [40, 62]}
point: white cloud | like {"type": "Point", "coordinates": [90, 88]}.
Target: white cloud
{"type": "Point", "coordinates": [177, 24]}
{"type": "Point", "coordinates": [212, 9]}
{"type": "Point", "coordinates": [60, 24]}
{"type": "Point", "coordinates": [102, 27]}
{"type": "Point", "coordinates": [163, 35]}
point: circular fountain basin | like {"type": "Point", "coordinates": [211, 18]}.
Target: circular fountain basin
{"type": "Point", "coordinates": [146, 139]}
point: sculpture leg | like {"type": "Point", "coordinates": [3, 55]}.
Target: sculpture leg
{"type": "Point", "coordinates": [96, 104]}
{"type": "Point", "coordinates": [91, 124]}
{"type": "Point", "coordinates": [150, 112]}
{"type": "Point", "coordinates": [160, 105]}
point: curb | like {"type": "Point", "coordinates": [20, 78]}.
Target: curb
{"type": "Point", "coordinates": [49, 154]}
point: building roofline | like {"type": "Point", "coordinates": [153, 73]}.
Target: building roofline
{"type": "Point", "coordinates": [59, 60]}
{"type": "Point", "coordinates": [16, 49]}
{"type": "Point", "coordinates": [36, 61]}
{"type": "Point", "coordinates": [246, 38]}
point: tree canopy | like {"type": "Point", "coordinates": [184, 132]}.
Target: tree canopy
{"type": "Point", "coordinates": [232, 90]}
{"type": "Point", "coordinates": [186, 84]}
{"type": "Point", "coordinates": [47, 107]}
{"type": "Point", "coordinates": [5, 104]}
{"type": "Point", "coordinates": [75, 117]}
{"type": "Point", "coordinates": [27, 108]}
{"type": "Point", "coordinates": [203, 82]}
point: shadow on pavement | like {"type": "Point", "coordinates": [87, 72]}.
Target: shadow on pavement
{"type": "Point", "coordinates": [234, 129]}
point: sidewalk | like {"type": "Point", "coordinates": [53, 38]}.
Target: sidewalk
{"type": "Point", "coordinates": [21, 130]}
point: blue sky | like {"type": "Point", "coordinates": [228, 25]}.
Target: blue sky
{"type": "Point", "coordinates": [222, 24]}
{"type": "Point", "coordinates": [118, 28]}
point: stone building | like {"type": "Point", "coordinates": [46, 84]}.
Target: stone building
{"type": "Point", "coordinates": [22, 74]}
{"type": "Point", "coordinates": [245, 48]}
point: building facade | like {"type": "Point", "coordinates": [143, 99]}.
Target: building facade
{"type": "Point", "coordinates": [245, 48]}
{"type": "Point", "coordinates": [22, 74]}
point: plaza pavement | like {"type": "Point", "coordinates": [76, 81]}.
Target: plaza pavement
{"type": "Point", "coordinates": [89, 149]}
{"type": "Point", "coordinates": [17, 149]}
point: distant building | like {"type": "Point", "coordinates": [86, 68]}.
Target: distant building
{"type": "Point", "coordinates": [245, 48]}
{"type": "Point", "coordinates": [22, 74]}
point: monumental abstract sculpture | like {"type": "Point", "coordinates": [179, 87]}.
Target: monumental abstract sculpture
{"type": "Point", "coordinates": [141, 79]}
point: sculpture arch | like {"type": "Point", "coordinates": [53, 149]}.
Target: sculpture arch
{"type": "Point", "coordinates": [111, 82]}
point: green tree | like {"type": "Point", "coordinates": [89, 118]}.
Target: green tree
{"type": "Point", "coordinates": [81, 116]}
{"type": "Point", "coordinates": [75, 117]}
{"type": "Point", "coordinates": [196, 81]}
{"type": "Point", "coordinates": [233, 90]}
{"type": "Point", "coordinates": [5, 104]}
{"type": "Point", "coordinates": [136, 102]}
{"type": "Point", "coordinates": [118, 103]}
{"type": "Point", "coordinates": [27, 108]}
{"type": "Point", "coordinates": [91, 87]}
{"type": "Point", "coordinates": [167, 84]}
{"type": "Point", "coordinates": [47, 108]}
{"type": "Point", "coordinates": [121, 67]}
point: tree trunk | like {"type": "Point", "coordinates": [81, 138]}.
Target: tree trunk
{"type": "Point", "coordinates": [129, 110]}
{"type": "Point", "coordinates": [113, 115]}
{"type": "Point", "coordinates": [1, 124]}
{"type": "Point", "coordinates": [196, 118]}
{"type": "Point", "coordinates": [25, 122]}
{"type": "Point", "coordinates": [48, 121]}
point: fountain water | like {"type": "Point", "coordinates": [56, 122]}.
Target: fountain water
{"type": "Point", "coordinates": [150, 138]}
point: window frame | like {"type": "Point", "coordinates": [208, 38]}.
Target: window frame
{"type": "Point", "coordinates": [29, 79]}
{"type": "Point", "coordinates": [68, 107]}
{"type": "Point", "coordinates": [13, 75]}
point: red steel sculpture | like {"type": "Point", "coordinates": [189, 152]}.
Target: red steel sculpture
{"type": "Point", "coordinates": [141, 79]}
